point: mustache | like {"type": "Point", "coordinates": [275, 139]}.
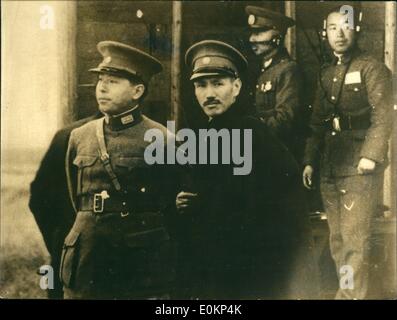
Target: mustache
{"type": "Point", "coordinates": [209, 102]}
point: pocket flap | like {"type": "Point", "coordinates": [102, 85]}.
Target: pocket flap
{"type": "Point", "coordinates": [131, 162]}
{"type": "Point", "coordinates": [355, 87]}
{"type": "Point", "coordinates": [147, 238]}
{"type": "Point", "coordinates": [71, 239]}
{"type": "Point", "coordinates": [84, 161]}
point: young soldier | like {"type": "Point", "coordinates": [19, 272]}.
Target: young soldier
{"type": "Point", "coordinates": [351, 124]}
{"type": "Point", "coordinates": [119, 245]}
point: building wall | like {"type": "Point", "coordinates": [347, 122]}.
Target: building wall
{"type": "Point", "coordinates": [309, 17]}
{"type": "Point", "coordinates": [117, 20]}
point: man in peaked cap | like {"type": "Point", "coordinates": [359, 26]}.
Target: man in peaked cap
{"type": "Point", "coordinates": [278, 91]}
{"type": "Point", "coordinates": [119, 245]}
{"type": "Point", "coordinates": [123, 60]}
{"type": "Point", "coordinates": [242, 226]}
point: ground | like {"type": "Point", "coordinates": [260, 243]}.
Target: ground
{"type": "Point", "coordinates": [22, 247]}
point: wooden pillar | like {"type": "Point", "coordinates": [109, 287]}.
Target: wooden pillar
{"type": "Point", "coordinates": [390, 270]}
{"type": "Point", "coordinates": [66, 45]}
{"type": "Point", "coordinates": [290, 38]}
{"type": "Point", "coordinates": [38, 51]}
{"type": "Point", "coordinates": [176, 61]}
{"type": "Point", "coordinates": [390, 61]}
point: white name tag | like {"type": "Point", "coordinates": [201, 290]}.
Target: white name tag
{"type": "Point", "coordinates": [353, 77]}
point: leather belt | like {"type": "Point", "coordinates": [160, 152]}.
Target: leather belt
{"type": "Point", "coordinates": [345, 123]}
{"type": "Point", "coordinates": [103, 203]}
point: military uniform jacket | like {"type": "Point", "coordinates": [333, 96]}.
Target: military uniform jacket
{"type": "Point", "coordinates": [277, 95]}
{"type": "Point", "coordinates": [144, 188]}
{"type": "Point", "coordinates": [357, 90]}
{"type": "Point", "coordinates": [49, 199]}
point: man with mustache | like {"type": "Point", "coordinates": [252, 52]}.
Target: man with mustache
{"type": "Point", "coordinates": [278, 86]}
{"type": "Point", "coordinates": [246, 230]}
{"type": "Point", "coordinates": [351, 124]}
{"type": "Point", "coordinates": [120, 245]}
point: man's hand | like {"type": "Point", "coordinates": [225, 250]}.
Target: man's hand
{"type": "Point", "coordinates": [366, 166]}
{"type": "Point", "coordinates": [185, 201]}
{"type": "Point", "coordinates": [307, 177]}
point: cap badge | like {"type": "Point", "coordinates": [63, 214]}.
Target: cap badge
{"type": "Point", "coordinates": [107, 59]}
{"type": "Point", "coordinates": [206, 60]}
{"type": "Point", "coordinates": [127, 119]}
{"type": "Point", "coordinates": [251, 19]}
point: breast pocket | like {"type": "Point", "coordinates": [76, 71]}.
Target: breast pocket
{"type": "Point", "coordinates": [132, 169]}
{"type": "Point", "coordinates": [266, 100]}
{"type": "Point", "coordinates": [354, 97]}
{"type": "Point", "coordinates": [85, 164]}
{"type": "Point", "coordinates": [127, 164]}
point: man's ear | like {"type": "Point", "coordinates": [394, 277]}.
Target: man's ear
{"type": "Point", "coordinates": [138, 91]}
{"type": "Point", "coordinates": [237, 84]}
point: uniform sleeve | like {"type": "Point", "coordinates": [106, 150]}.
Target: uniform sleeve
{"type": "Point", "coordinates": [317, 130]}
{"type": "Point", "coordinates": [71, 171]}
{"type": "Point", "coordinates": [378, 84]}
{"type": "Point", "coordinates": [287, 100]}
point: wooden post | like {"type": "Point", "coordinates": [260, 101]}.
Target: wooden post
{"type": "Point", "coordinates": [390, 61]}
{"type": "Point", "coordinates": [66, 47]}
{"type": "Point", "coordinates": [290, 38]}
{"type": "Point", "coordinates": [38, 51]}
{"type": "Point", "coordinates": [176, 60]}
{"type": "Point", "coordinates": [390, 273]}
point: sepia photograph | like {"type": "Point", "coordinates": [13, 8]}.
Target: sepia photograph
{"type": "Point", "coordinates": [198, 150]}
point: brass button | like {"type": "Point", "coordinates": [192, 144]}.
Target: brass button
{"type": "Point", "coordinates": [333, 98]}
{"type": "Point", "coordinates": [143, 189]}
{"type": "Point", "coordinates": [334, 79]}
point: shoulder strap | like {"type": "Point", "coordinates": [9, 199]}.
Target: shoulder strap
{"type": "Point", "coordinates": [103, 154]}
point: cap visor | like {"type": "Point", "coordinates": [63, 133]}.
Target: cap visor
{"type": "Point", "coordinates": [96, 70]}
{"type": "Point", "coordinates": [210, 74]}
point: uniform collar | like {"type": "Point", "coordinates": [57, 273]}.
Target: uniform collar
{"type": "Point", "coordinates": [346, 57]}
{"type": "Point", "coordinates": [124, 120]}
{"type": "Point", "coordinates": [279, 55]}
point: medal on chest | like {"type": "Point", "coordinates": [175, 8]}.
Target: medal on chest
{"type": "Point", "coordinates": [267, 86]}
